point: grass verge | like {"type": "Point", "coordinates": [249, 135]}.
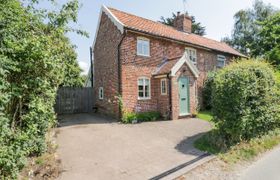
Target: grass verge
{"type": "Point", "coordinates": [205, 115]}
{"type": "Point", "coordinates": [244, 151]}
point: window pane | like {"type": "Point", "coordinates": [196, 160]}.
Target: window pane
{"type": "Point", "coordinates": [140, 88]}
{"type": "Point", "coordinates": [147, 81]}
{"type": "Point", "coordinates": [143, 47]}
{"type": "Point", "coordinates": [140, 82]}
{"type": "Point", "coordinates": [140, 94]}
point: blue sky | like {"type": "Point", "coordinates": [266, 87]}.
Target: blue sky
{"type": "Point", "coordinates": [216, 15]}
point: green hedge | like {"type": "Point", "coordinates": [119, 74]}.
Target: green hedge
{"type": "Point", "coordinates": [128, 117]}
{"type": "Point", "coordinates": [207, 90]}
{"type": "Point", "coordinates": [245, 100]}
{"type": "Point", "coordinates": [35, 59]}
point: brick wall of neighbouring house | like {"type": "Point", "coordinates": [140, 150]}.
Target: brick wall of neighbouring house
{"type": "Point", "coordinates": [134, 66]}
{"type": "Point", "coordinates": [106, 66]}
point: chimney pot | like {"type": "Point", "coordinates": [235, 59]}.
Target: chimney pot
{"type": "Point", "coordinates": [178, 13]}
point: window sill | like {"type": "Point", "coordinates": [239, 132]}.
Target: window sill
{"type": "Point", "coordinates": [144, 99]}
{"type": "Point", "coordinates": [142, 55]}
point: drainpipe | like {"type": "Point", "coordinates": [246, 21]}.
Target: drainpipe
{"type": "Point", "coordinates": [170, 93]}
{"type": "Point", "coordinates": [91, 67]}
{"type": "Point", "coordinates": [120, 72]}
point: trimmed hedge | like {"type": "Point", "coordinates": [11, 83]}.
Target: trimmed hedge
{"type": "Point", "coordinates": [245, 100]}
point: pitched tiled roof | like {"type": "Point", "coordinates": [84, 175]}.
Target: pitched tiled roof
{"type": "Point", "coordinates": [166, 66]}
{"type": "Point", "coordinates": [159, 29]}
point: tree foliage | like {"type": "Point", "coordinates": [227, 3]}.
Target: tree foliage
{"type": "Point", "coordinates": [35, 59]}
{"type": "Point", "coordinates": [197, 28]}
{"type": "Point", "coordinates": [247, 27]}
{"type": "Point", "coordinates": [245, 101]}
{"type": "Point", "coordinates": [268, 44]}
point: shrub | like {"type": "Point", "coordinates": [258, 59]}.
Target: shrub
{"type": "Point", "coordinates": [128, 117]}
{"type": "Point", "coordinates": [35, 59]}
{"type": "Point", "coordinates": [207, 90]}
{"type": "Point", "coordinates": [245, 100]}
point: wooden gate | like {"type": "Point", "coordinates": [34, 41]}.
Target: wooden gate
{"type": "Point", "coordinates": [71, 100]}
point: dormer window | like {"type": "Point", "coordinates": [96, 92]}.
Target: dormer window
{"type": "Point", "coordinates": [143, 46]}
{"type": "Point", "coordinates": [192, 55]}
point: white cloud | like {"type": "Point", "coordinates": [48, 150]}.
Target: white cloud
{"type": "Point", "coordinates": [84, 66]}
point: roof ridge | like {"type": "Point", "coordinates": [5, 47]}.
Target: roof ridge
{"type": "Point", "coordinates": [171, 27]}
{"type": "Point", "coordinates": [159, 29]}
{"type": "Point", "coordinates": [165, 25]}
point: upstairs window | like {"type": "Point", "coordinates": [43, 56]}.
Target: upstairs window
{"type": "Point", "coordinates": [101, 93]}
{"type": "Point", "coordinates": [192, 55]}
{"type": "Point", "coordinates": [143, 47]}
{"type": "Point", "coordinates": [221, 61]}
{"type": "Point", "coordinates": [163, 86]}
{"type": "Point", "coordinates": [144, 88]}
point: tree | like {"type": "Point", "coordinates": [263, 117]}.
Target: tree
{"type": "Point", "coordinates": [197, 28]}
{"type": "Point", "coordinates": [245, 101]}
{"type": "Point", "coordinates": [247, 27]}
{"type": "Point", "coordinates": [36, 58]}
{"type": "Point", "coordinates": [268, 44]}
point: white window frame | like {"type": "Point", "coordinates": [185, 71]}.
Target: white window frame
{"type": "Point", "coordinates": [165, 86]}
{"type": "Point", "coordinates": [221, 58]}
{"type": "Point", "coordinates": [101, 93]}
{"type": "Point", "coordinates": [144, 83]}
{"type": "Point", "coordinates": [142, 40]}
{"type": "Point", "coordinates": [189, 50]}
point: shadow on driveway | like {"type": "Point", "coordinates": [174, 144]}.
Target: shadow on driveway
{"type": "Point", "coordinates": [83, 119]}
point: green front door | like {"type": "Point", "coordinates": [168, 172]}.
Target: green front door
{"type": "Point", "coordinates": [184, 98]}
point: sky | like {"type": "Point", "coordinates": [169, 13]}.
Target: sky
{"type": "Point", "coordinates": [215, 15]}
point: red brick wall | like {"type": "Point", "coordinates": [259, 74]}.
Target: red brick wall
{"type": "Point", "coordinates": [133, 67]}
{"type": "Point", "coordinates": [106, 66]}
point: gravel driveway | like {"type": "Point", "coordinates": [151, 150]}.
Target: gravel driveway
{"type": "Point", "coordinates": [95, 147]}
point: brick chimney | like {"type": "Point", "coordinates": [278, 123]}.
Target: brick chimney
{"type": "Point", "coordinates": [183, 22]}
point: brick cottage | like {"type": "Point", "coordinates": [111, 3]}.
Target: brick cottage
{"type": "Point", "coordinates": [151, 66]}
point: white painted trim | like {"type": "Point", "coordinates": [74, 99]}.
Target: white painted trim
{"type": "Point", "coordinates": [160, 76]}
{"type": "Point", "coordinates": [112, 17]}
{"type": "Point", "coordinates": [150, 95]}
{"type": "Point", "coordinates": [99, 93]}
{"type": "Point", "coordinates": [192, 49]}
{"type": "Point", "coordinates": [221, 58]}
{"type": "Point", "coordinates": [184, 59]}
{"type": "Point", "coordinates": [163, 93]}
{"type": "Point", "coordinates": [149, 48]}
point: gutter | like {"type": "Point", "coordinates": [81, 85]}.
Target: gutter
{"type": "Point", "coordinates": [119, 72]}
{"type": "Point", "coordinates": [91, 67]}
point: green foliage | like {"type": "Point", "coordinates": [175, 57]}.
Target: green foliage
{"type": "Point", "coordinates": [245, 35]}
{"type": "Point", "coordinates": [244, 151]}
{"type": "Point", "coordinates": [245, 101]}
{"type": "Point", "coordinates": [36, 58]}
{"type": "Point", "coordinates": [207, 90]}
{"type": "Point", "coordinates": [197, 28]}
{"type": "Point", "coordinates": [128, 117]}
{"type": "Point", "coordinates": [268, 44]}
{"type": "Point", "coordinates": [205, 115]}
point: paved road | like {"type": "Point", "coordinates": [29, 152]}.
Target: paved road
{"type": "Point", "coordinates": [93, 147]}
{"type": "Point", "coordinates": [267, 168]}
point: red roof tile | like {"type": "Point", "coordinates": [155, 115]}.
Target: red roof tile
{"type": "Point", "coordinates": [166, 66]}
{"type": "Point", "coordinates": [159, 29]}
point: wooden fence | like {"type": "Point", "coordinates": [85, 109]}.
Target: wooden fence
{"type": "Point", "coordinates": [74, 100]}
